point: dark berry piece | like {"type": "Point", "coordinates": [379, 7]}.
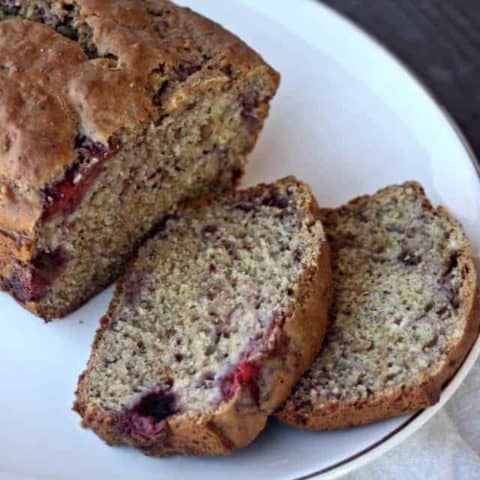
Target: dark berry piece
{"type": "Point", "coordinates": [64, 196]}
{"type": "Point", "coordinates": [244, 374]}
{"type": "Point", "coordinates": [50, 261]}
{"type": "Point", "coordinates": [26, 284]}
{"type": "Point", "coordinates": [31, 284]}
{"type": "Point", "coordinates": [157, 405]}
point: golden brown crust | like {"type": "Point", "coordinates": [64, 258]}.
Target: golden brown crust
{"type": "Point", "coordinates": [50, 91]}
{"type": "Point", "coordinates": [399, 401]}
{"type": "Point", "coordinates": [237, 421]}
{"type": "Point", "coordinates": [37, 123]}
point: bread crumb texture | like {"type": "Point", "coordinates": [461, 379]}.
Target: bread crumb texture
{"type": "Point", "coordinates": [403, 281]}
{"type": "Point", "coordinates": [202, 309]}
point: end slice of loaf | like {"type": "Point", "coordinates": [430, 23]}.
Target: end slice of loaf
{"type": "Point", "coordinates": [403, 316]}
{"type": "Point", "coordinates": [214, 323]}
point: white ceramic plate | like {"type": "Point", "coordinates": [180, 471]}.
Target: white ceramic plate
{"type": "Point", "coordinates": [348, 119]}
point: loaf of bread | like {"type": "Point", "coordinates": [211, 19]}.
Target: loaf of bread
{"type": "Point", "coordinates": [111, 113]}
{"type": "Point", "coordinates": [402, 319]}
{"type": "Point", "coordinates": [212, 325]}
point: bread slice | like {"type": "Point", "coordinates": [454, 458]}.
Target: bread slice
{"type": "Point", "coordinates": [403, 316]}
{"type": "Point", "coordinates": [212, 326]}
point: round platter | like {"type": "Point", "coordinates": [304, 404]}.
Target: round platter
{"type": "Point", "coordinates": [348, 119]}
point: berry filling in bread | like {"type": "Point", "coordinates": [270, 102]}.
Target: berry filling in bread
{"type": "Point", "coordinates": [244, 374]}
{"type": "Point", "coordinates": [26, 284]}
{"type": "Point", "coordinates": [146, 417]}
{"type": "Point", "coordinates": [30, 283]}
{"type": "Point", "coordinates": [64, 196]}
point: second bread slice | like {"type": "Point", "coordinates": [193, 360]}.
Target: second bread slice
{"type": "Point", "coordinates": [403, 315]}
{"type": "Point", "coordinates": [213, 324]}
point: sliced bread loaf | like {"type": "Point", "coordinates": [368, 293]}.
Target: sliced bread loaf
{"type": "Point", "coordinates": [403, 316]}
{"type": "Point", "coordinates": [112, 113]}
{"type": "Point", "coordinates": [212, 326]}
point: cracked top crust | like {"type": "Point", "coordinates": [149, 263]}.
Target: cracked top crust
{"type": "Point", "coordinates": [130, 63]}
